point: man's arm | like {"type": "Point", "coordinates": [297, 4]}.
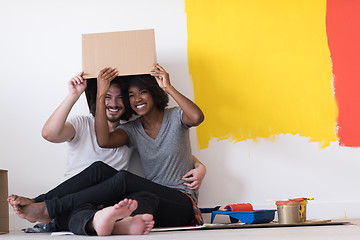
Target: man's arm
{"type": "Point", "coordinates": [195, 176]}
{"type": "Point", "coordinates": [56, 128]}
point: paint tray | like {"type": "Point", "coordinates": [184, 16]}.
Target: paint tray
{"type": "Point", "coordinates": [209, 210]}
{"type": "Point", "coordinates": [247, 217]}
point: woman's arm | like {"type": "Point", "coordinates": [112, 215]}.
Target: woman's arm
{"type": "Point", "coordinates": [195, 176]}
{"type": "Point", "coordinates": [57, 129]}
{"type": "Point", "coordinates": [104, 138]}
{"type": "Point", "coordinates": [192, 114]}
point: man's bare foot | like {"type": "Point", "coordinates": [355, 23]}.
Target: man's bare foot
{"type": "Point", "coordinates": [140, 224]}
{"type": "Point", "coordinates": [105, 219]}
{"type": "Point", "coordinates": [18, 201]}
{"type": "Point", "coordinates": [34, 212]}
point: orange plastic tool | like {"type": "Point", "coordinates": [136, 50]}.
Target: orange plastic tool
{"type": "Point", "coordinates": [239, 207]}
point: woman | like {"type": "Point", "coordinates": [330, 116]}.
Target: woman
{"type": "Point", "coordinates": [162, 138]}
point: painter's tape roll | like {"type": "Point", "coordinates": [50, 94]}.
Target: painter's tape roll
{"type": "Point", "coordinates": [239, 207]}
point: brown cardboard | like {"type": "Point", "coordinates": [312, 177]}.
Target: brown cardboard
{"type": "Point", "coordinates": [4, 206]}
{"type": "Point", "coordinates": [130, 52]}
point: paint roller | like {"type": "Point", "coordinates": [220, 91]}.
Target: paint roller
{"type": "Point", "coordinates": [239, 207]}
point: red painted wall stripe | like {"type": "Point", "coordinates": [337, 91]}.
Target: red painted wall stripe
{"type": "Point", "coordinates": [343, 30]}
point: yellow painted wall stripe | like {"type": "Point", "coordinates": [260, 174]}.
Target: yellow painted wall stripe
{"type": "Point", "coordinates": [261, 68]}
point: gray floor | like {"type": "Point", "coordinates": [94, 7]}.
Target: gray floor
{"type": "Point", "coordinates": [343, 232]}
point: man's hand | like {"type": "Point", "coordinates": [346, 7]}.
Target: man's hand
{"type": "Point", "coordinates": [77, 84]}
{"type": "Point", "coordinates": [194, 178]}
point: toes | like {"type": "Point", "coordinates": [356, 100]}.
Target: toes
{"type": "Point", "coordinates": [133, 205]}
{"type": "Point", "coordinates": [11, 199]}
{"type": "Point", "coordinates": [148, 227]}
{"type": "Point", "coordinates": [129, 203]}
{"type": "Point", "coordinates": [123, 202]}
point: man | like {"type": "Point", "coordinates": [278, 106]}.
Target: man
{"type": "Point", "coordinates": [79, 131]}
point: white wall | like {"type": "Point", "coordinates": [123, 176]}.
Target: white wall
{"type": "Point", "coordinates": [40, 50]}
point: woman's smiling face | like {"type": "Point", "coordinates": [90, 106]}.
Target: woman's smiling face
{"type": "Point", "coordinates": [141, 100]}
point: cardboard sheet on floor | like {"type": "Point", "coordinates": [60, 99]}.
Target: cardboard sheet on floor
{"type": "Point", "coordinates": [208, 226]}
{"type": "Point", "coordinates": [130, 52]}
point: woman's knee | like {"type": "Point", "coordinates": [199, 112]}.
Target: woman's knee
{"type": "Point", "coordinates": [148, 196]}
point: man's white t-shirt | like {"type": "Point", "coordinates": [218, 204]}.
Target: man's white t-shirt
{"type": "Point", "coordinates": [83, 149]}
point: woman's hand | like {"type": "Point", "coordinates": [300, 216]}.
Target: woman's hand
{"type": "Point", "coordinates": [161, 76]}
{"type": "Point", "coordinates": [104, 78]}
{"type": "Point", "coordinates": [77, 84]}
{"type": "Point", "coordinates": [192, 114]}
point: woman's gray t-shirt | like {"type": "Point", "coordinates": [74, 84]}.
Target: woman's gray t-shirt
{"type": "Point", "coordinates": [168, 157]}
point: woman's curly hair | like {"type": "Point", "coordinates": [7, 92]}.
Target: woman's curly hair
{"type": "Point", "coordinates": [148, 82]}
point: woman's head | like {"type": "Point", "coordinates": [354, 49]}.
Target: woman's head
{"type": "Point", "coordinates": [148, 83]}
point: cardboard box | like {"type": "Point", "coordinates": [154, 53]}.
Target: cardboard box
{"type": "Point", "coordinates": [4, 206]}
{"type": "Point", "coordinates": [130, 52]}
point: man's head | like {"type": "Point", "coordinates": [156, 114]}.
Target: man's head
{"type": "Point", "coordinates": [115, 103]}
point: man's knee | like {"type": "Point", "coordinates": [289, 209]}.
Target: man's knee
{"type": "Point", "coordinates": [124, 175]}
{"type": "Point", "coordinates": [98, 164]}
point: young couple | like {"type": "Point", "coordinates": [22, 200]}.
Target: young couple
{"type": "Point", "coordinates": [162, 138]}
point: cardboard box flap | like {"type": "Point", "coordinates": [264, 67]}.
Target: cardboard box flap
{"type": "Point", "coordinates": [4, 206]}
{"type": "Point", "coordinates": [130, 52]}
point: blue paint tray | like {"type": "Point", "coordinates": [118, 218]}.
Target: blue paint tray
{"type": "Point", "coordinates": [247, 217]}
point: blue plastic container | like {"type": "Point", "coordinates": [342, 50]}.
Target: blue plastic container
{"type": "Point", "coordinates": [247, 217]}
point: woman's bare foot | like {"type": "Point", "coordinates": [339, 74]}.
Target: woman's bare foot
{"type": "Point", "coordinates": [34, 212]}
{"type": "Point", "coordinates": [18, 201]}
{"type": "Point", "coordinates": [138, 225]}
{"type": "Point", "coordinates": [105, 219]}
